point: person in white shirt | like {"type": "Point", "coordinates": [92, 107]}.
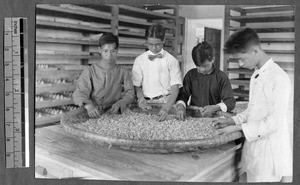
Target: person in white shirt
{"type": "Point", "coordinates": [267, 153]}
{"type": "Point", "coordinates": [156, 74]}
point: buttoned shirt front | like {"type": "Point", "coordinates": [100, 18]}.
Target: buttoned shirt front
{"type": "Point", "coordinates": [267, 152]}
{"type": "Point", "coordinates": [156, 77]}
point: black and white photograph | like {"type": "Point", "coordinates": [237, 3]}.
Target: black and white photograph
{"type": "Point", "coordinates": [164, 92]}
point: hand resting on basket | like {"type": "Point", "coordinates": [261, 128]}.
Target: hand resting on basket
{"type": "Point", "coordinates": [225, 126]}
{"type": "Point", "coordinates": [92, 111]}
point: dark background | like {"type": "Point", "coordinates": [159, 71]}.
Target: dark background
{"type": "Point", "coordinates": [26, 8]}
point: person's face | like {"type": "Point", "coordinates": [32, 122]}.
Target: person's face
{"type": "Point", "coordinates": [205, 67]}
{"type": "Point", "coordinates": [246, 60]}
{"type": "Point", "coordinates": [155, 45]}
{"type": "Point", "coordinates": [108, 52]}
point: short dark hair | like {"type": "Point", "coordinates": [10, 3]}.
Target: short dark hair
{"type": "Point", "coordinates": [240, 41]}
{"type": "Point", "coordinates": [201, 52]}
{"type": "Point", "coordinates": [156, 31]}
{"type": "Point", "coordinates": [108, 38]}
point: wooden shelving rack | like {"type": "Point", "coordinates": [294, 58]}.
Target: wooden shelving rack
{"type": "Point", "coordinates": [128, 22]}
{"type": "Point", "coordinates": [275, 27]}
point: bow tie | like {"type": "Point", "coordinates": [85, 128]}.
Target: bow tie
{"type": "Point", "coordinates": [152, 57]}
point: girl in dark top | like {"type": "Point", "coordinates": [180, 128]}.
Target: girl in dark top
{"type": "Point", "coordinates": [207, 86]}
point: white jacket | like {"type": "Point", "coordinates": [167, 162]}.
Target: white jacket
{"type": "Point", "coordinates": [267, 153]}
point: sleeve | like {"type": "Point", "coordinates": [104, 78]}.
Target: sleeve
{"type": "Point", "coordinates": [175, 73]}
{"type": "Point", "coordinates": [137, 73]}
{"type": "Point", "coordinates": [185, 90]}
{"type": "Point", "coordinates": [83, 89]}
{"type": "Point", "coordinates": [226, 92]}
{"type": "Point", "coordinates": [128, 96]}
{"type": "Point", "coordinates": [277, 94]}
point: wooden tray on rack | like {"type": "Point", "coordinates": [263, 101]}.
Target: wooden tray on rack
{"type": "Point", "coordinates": [148, 146]}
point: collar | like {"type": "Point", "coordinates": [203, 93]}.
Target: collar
{"type": "Point", "coordinates": [265, 66]}
{"type": "Point", "coordinates": [110, 67]}
{"type": "Point", "coordinates": [161, 52]}
{"type": "Point", "coordinates": [210, 72]}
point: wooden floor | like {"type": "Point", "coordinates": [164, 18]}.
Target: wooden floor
{"type": "Point", "coordinates": [60, 155]}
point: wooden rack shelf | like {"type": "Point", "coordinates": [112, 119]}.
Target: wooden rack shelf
{"type": "Point", "coordinates": [268, 29]}
{"type": "Point", "coordinates": [86, 42]}
{"type": "Point", "coordinates": [276, 17]}
{"type": "Point", "coordinates": [277, 40]}
{"type": "Point", "coordinates": [66, 26]}
{"type": "Point", "coordinates": [279, 19]}
{"type": "Point", "coordinates": [56, 88]}
{"type": "Point", "coordinates": [241, 93]}
{"type": "Point", "coordinates": [83, 21]}
{"type": "Point", "coordinates": [240, 71]}
{"type": "Point", "coordinates": [142, 13]}
{"type": "Point", "coordinates": [240, 81]}
{"type": "Point", "coordinates": [54, 103]}
{"type": "Point", "coordinates": [263, 9]}
{"type": "Point", "coordinates": [65, 10]}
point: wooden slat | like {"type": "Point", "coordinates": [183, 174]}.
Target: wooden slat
{"type": "Point", "coordinates": [138, 12]}
{"type": "Point", "coordinates": [240, 71]}
{"type": "Point", "coordinates": [136, 22]}
{"type": "Point", "coordinates": [85, 42]}
{"type": "Point", "coordinates": [269, 9]}
{"type": "Point", "coordinates": [48, 56]}
{"type": "Point", "coordinates": [132, 33]}
{"type": "Point", "coordinates": [55, 88]}
{"type": "Point", "coordinates": [66, 41]}
{"type": "Point", "coordinates": [99, 14]}
{"type": "Point", "coordinates": [280, 51]}
{"type": "Point", "coordinates": [276, 17]}
{"type": "Point", "coordinates": [277, 39]}
{"type": "Point", "coordinates": [240, 81]}
{"type": "Point", "coordinates": [72, 74]}
{"type": "Point", "coordinates": [55, 103]}
{"type": "Point", "coordinates": [77, 27]}
{"type": "Point", "coordinates": [240, 93]}
{"type": "Point", "coordinates": [269, 28]}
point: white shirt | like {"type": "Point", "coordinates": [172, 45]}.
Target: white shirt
{"type": "Point", "coordinates": [156, 77]}
{"type": "Point", "coordinates": [267, 153]}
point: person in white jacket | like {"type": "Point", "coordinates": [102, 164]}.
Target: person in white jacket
{"type": "Point", "coordinates": [267, 153]}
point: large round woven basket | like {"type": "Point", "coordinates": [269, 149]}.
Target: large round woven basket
{"type": "Point", "coordinates": [148, 146]}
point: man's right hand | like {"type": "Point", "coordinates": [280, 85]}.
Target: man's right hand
{"type": "Point", "coordinates": [92, 111]}
{"type": "Point", "coordinates": [143, 104]}
{"type": "Point", "coordinates": [222, 123]}
{"type": "Point", "coordinates": [180, 112]}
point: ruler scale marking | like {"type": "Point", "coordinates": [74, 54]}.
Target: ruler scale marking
{"type": "Point", "coordinates": [16, 92]}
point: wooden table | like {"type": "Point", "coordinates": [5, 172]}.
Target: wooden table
{"type": "Point", "coordinates": [60, 155]}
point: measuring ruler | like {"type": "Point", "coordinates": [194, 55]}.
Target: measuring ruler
{"type": "Point", "coordinates": [16, 92]}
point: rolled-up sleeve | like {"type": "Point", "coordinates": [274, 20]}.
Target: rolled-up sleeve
{"type": "Point", "coordinates": [175, 73]}
{"type": "Point", "coordinates": [137, 73]}
{"type": "Point", "coordinates": [277, 95]}
{"type": "Point", "coordinates": [83, 89]}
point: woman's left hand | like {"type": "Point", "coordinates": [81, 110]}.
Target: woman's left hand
{"type": "Point", "coordinates": [208, 110]}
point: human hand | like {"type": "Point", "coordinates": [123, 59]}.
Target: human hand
{"type": "Point", "coordinates": [163, 113]}
{"type": "Point", "coordinates": [227, 130]}
{"type": "Point", "coordinates": [92, 111]}
{"type": "Point", "coordinates": [222, 122]}
{"type": "Point", "coordinates": [143, 104]}
{"type": "Point", "coordinates": [208, 110]}
{"type": "Point", "coordinates": [180, 112]}
{"type": "Point", "coordinates": [114, 108]}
